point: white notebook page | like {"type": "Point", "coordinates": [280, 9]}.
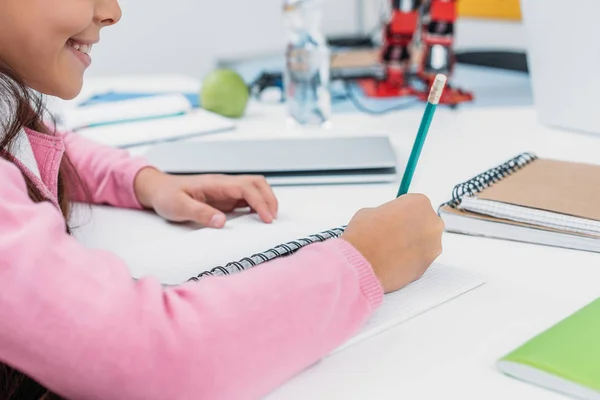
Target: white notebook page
{"type": "Point", "coordinates": [438, 285]}
{"type": "Point", "coordinates": [533, 216]}
{"type": "Point", "coordinates": [188, 254]}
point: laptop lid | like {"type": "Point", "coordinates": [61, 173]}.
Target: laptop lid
{"type": "Point", "coordinates": [283, 161]}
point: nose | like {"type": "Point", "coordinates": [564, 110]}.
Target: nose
{"type": "Point", "coordinates": [107, 12]}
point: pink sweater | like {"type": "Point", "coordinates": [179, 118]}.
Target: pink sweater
{"type": "Point", "coordinates": [74, 319]}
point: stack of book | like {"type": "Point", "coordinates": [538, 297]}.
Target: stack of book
{"type": "Point", "coordinates": [133, 111]}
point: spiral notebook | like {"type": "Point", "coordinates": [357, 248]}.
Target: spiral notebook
{"type": "Point", "coordinates": [530, 199]}
{"type": "Point", "coordinates": [199, 254]}
{"type": "Point", "coordinates": [439, 284]}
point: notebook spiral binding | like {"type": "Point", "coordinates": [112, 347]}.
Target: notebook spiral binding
{"type": "Point", "coordinates": [489, 177]}
{"type": "Point", "coordinates": [279, 251]}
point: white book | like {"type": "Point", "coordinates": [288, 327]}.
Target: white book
{"type": "Point", "coordinates": [150, 84]}
{"type": "Point", "coordinates": [125, 111]}
{"type": "Point", "coordinates": [194, 123]}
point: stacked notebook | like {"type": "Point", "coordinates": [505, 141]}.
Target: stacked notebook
{"type": "Point", "coordinates": [530, 199]}
{"type": "Point", "coordinates": [134, 111]}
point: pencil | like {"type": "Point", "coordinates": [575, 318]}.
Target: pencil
{"type": "Point", "coordinates": [434, 98]}
{"type": "Point", "coordinates": [291, 247]}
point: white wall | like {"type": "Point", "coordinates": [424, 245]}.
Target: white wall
{"type": "Point", "coordinates": [187, 36]}
{"type": "Point", "coordinates": [489, 34]}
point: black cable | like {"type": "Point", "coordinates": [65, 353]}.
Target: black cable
{"type": "Point", "coordinates": [361, 107]}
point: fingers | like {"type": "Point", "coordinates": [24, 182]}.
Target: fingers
{"type": "Point", "coordinates": [227, 193]}
{"type": "Point", "coordinates": [257, 201]}
{"type": "Point", "coordinates": [202, 213]}
{"type": "Point", "coordinates": [256, 193]}
{"type": "Point", "coordinates": [267, 192]}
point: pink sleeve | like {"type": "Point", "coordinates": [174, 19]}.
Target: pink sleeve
{"type": "Point", "coordinates": [75, 320]}
{"type": "Point", "coordinates": [106, 172]}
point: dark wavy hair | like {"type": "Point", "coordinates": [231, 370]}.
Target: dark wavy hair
{"type": "Point", "coordinates": [25, 108]}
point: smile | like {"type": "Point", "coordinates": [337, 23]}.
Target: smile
{"type": "Point", "coordinates": [83, 48]}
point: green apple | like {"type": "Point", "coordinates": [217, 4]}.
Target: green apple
{"type": "Point", "coordinates": [224, 92]}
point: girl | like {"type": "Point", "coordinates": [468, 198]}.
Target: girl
{"type": "Point", "coordinates": [73, 322]}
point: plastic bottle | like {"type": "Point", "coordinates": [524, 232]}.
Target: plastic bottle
{"type": "Point", "coordinates": [307, 66]}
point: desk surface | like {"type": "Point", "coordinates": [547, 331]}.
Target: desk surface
{"type": "Point", "coordinates": [447, 352]}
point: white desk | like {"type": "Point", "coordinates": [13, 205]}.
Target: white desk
{"type": "Point", "coordinates": [448, 352]}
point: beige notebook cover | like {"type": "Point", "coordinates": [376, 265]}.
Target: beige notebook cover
{"type": "Point", "coordinates": [563, 187]}
{"type": "Point", "coordinates": [559, 186]}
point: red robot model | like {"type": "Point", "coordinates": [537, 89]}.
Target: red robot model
{"type": "Point", "coordinates": [433, 21]}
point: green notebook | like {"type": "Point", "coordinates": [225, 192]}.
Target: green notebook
{"type": "Point", "coordinates": [564, 358]}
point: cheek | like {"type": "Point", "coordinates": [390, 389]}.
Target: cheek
{"type": "Point", "coordinates": [47, 65]}
{"type": "Point", "coordinates": [54, 69]}
{"type": "Point", "coordinates": [34, 44]}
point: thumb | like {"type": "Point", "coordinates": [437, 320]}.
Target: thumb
{"type": "Point", "coordinates": [203, 214]}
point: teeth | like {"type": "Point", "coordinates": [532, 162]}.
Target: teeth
{"type": "Point", "coordinates": [84, 48]}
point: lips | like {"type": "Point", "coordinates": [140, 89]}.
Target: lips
{"type": "Point", "coordinates": [80, 51]}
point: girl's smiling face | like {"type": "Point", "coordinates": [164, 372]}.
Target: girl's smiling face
{"type": "Point", "coordinates": [48, 42]}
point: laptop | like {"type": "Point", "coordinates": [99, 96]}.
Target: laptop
{"type": "Point", "coordinates": [306, 161]}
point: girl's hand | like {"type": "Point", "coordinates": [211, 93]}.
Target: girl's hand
{"type": "Point", "coordinates": [400, 239]}
{"type": "Point", "coordinates": [204, 198]}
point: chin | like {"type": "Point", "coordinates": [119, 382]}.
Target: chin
{"type": "Point", "coordinates": [69, 96]}
{"type": "Point", "coordinates": [69, 91]}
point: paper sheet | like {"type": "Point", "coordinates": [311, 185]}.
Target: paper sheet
{"type": "Point", "coordinates": [438, 285]}
{"type": "Point", "coordinates": [179, 258]}
{"type": "Point", "coordinates": [533, 216]}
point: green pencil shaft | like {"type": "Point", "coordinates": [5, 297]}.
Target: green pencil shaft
{"type": "Point", "coordinates": [416, 150]}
